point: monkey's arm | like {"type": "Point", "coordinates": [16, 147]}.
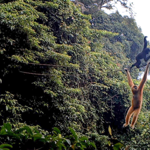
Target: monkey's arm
{"type": "Point", "coordinates": [145, 43]}
{"type": "Point", "coordinates": [129, 78]}
{"type": "Point", "coordinates": [144, 77]}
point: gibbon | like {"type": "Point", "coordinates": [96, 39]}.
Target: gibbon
{"type": "Point", "coordinates": [137, 99]}
{"type": "Point", "coordinates": [142, 55]}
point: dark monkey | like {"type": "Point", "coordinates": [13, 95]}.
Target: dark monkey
{"type": "Point", "coordinates": [142, 55]}
{"type": "Point", "coordinates": [137, 99]}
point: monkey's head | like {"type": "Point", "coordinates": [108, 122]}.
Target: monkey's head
{"type": "Point", "coordinates": [134, 89]}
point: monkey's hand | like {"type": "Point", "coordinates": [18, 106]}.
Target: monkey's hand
{"type": "Point", "coordinates": [126, 69]}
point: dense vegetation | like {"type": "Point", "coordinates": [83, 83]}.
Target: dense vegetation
{"type": "Point", "coordinates": [63, 83]}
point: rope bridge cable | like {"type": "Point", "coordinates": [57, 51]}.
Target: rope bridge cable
{"type": "Point", "coordinates": [38, 74]}
{"type": "Point", "coordinates": [48, 65]}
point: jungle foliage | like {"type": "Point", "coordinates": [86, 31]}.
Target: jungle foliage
{"type": "Point", "coordinates": [63, 84]}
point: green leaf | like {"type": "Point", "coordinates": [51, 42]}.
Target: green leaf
{"type": "Point", "coordinates": [117, 146]}
{"type": "Point", "coordinates": [60, 145]}
{"type": "Point", "coordinates": [19, 130]}
{"type": "Point", "coordinates": [37, 136]}
{"type": "Point", "coordinates": [56, 130]}
{"type": "Point", "coordinates": [73, 133]}
{"type": "Point", "coordinates": [17, 136]}
{"type": "Point", "coordinates": [5, 146]}
{"type": "Point", "coordinates": [7, 126]}
{"type": "Point", "coordinates": [92, 144]}
{"type": "Point", "coordinates": [3, 131]}
{"type": "Point", "coordinates": [84, 138]}
{"type": "Point", "coordinates": [28, 130]}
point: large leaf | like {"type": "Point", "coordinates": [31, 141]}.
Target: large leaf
{"type": "Point", "coordinates": [73, 133]}
{"type": "Point", "coordinates": [5, 146]}
{"type": "Point", "coordinates": [117, 146]}
{"type": "Point", "coordinates": [37, 136]}
{"type": "Point", "coordinates": [84, 138]}
{"type": "Point", "coordinates": [29, 131]}
{"type": "Point", "coordinates": [56, 130]}
{"type": "Point", "coordinates": [7, 126]}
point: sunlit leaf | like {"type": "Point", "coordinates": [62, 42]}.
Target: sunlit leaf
{"type": "Point", "coordinates": [2, 146]}
{"type": "Point", "coordinates": [117, 146]}
{"type": "Point", "coordinates": [68, 141]}
{"type": "Point", "coordinates": [109, 130]}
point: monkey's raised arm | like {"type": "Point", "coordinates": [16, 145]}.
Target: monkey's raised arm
{"type": "Point", "coordinates": [144, 77]}
{"type": "Point", "coordinates": [145, 43]}
{"type": "Point", "coordinates": [129, 78]}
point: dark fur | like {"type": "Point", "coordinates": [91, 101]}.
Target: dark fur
{"type": "Point", "coordinates": [142, 55]}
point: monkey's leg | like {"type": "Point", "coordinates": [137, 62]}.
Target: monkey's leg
{"type": "Point", "coordinates": [128, 116]}
{"type": "Point", "coordinates": [135, 117]}
{"type": "Point", "coordinates": [138, 64]}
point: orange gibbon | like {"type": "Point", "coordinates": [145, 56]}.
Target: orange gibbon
{"type": "Point", "coordinates": [137, 99]}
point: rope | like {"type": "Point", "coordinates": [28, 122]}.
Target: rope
{"type": "Point", "coordinates": [38, 74]}
{"type": "Point", "coordinates": [48, 65]}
